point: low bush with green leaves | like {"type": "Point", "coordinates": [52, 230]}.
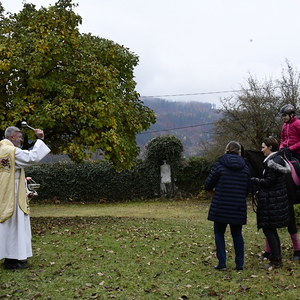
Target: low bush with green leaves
{"type": "Point", "coordinates": [98, 181]}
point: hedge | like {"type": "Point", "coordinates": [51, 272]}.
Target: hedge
{"type": "Point", "coordinates": [99, 182]}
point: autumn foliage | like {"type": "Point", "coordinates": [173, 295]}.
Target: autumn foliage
{"type": "Point", "coordinates": [78, 87]}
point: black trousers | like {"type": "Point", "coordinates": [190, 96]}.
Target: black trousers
{"type": "Point", "coordinates": [274, 241]}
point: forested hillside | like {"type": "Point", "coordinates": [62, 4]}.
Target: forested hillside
{"type": "Point", "coordinates": [191, 122]}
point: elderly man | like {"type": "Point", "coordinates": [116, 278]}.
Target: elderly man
{"type": "Point", "coordinates": [15, 231]}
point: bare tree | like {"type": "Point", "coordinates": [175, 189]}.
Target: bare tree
{"type": "Point", "coordinates": [289, 86]}
{"type": "Point", "coordinates": [252, 113]}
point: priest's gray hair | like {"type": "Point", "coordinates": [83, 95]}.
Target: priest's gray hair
{"type": "Point", "coordinates": [10, 131]}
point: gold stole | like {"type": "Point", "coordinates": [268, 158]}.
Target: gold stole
{"type": "Point", "coordinates": [7, 179]}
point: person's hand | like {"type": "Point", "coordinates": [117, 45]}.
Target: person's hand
{"type": "Point", "coordinates": [39, 133]}
{"type": "Point", "coordinates": [254, 179]}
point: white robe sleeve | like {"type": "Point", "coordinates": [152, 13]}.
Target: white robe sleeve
{"type": "Point", "coordinates": [25, 158]}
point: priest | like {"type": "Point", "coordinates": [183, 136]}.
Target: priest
{"type": "Point", "coordinates": [15, 230]}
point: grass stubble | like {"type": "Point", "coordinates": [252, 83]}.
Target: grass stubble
{"type": "Point", "coordinates": [148, 250]}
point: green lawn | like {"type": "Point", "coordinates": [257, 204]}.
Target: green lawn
{"type": "Point", "coordinates": [148, 250]}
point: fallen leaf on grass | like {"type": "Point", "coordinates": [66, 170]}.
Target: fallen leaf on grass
{"type": "Point", "coordinates": [244, 288]}
{"type": "Point", "coordinates": [79, 295]}
{"type": "Point", "coordinates": [36, 296]}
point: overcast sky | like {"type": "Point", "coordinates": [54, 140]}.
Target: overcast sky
{"type": "Point", "coordinates": [195, 46]}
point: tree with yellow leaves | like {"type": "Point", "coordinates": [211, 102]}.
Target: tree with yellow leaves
{"type": "Point", "coordinates": [78, 88]}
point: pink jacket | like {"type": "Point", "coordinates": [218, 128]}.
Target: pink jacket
{"type": "Point", "coordinates": [290, 135]}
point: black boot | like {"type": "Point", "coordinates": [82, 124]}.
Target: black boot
{"type": "Point", "coordinates": [275, 263]}
{"type": "Point", "coordinates": [265, 255]}
{"type": "Point", "coordinates": [296, 256]}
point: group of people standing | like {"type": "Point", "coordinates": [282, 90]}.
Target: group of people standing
{"type": "Point", "coordinates": [230, 180]}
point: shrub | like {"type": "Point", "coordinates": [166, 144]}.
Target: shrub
{"type": "Point", "coordinates": [98, 181]}
{"type": "Point", "coordinates": [93, 182]}
{"type": "Point", "coordinates": [192, 174]}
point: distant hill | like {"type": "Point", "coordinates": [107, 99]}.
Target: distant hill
{"type": "Point", "coordinates": [190, 122]}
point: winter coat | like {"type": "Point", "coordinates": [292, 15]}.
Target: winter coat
{"type": "Point", "coordinates": [290, 135]}
{"type": "Point", "coordinates": [273, 206]}
{"type": "Point", "coordinates": [230, 179]}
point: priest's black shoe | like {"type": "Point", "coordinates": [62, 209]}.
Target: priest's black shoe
{"type": "Point", "coordinates": [13, 264]}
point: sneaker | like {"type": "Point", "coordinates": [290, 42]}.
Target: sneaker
{"type": "Point", "coordinates": [239, 268]}
{"type": "Point", "coordinates": [220, 268]}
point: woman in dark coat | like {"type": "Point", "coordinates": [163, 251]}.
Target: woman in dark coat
{"type": "Point", "coordinates": [230, 180]}
{"type": "Point", "coordinates": [273, 205]}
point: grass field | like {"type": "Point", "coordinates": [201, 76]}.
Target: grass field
{"type": "Point", "coordinates": [149, 250]}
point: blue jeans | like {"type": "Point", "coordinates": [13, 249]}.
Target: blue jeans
{"type": "Point", "coordinates": [238, 241]}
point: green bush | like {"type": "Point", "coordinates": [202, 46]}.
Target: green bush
{"type": "Point", "coordinates": [92, 182]}
{"type": "Point", "coordinates": [99, 182]}
{"type": "Point", "coordinates": [192, 175]}
{"type": "Point", "coordinates": [167, 147]}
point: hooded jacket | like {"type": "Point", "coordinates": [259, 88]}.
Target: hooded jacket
{"type": "Point", "coordinates": [290, 135]}
{"type": "Point", "coordinates": [273, 206]}
{"type": "Point", "coordinates": [230, 180]}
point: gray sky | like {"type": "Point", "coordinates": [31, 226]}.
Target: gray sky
{"type": "Point", "coordinates": [195, 46]}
